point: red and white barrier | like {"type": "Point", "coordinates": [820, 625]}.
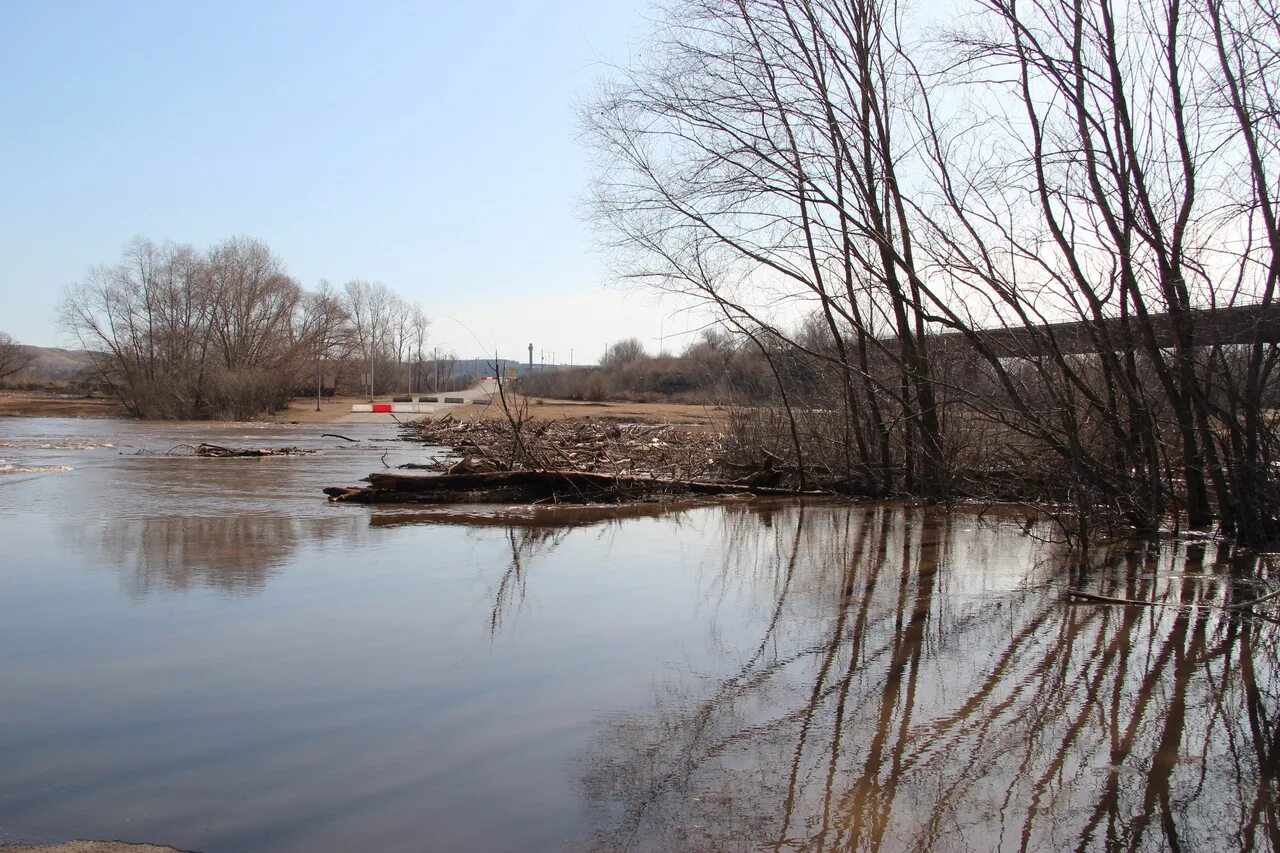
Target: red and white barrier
{"type": "Point", "coordinates": [414, 408]}
{"type": "Point", "coordinates": [389, 408]}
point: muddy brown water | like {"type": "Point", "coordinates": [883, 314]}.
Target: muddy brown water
{"type": "Point", "coordinates": [206, 654]}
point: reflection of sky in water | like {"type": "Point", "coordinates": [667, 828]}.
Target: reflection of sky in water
{"type": "Point", "coordinates": [206, 653]}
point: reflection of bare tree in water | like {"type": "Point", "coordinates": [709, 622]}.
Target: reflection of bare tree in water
{"type": "Point", "coordinates": [230, 553]}
{"type": "Point", "coordinates": [525, 543]}
{"type": "Point", "coordinates": [896, 700]}
{"type": "Point", "coordinates": [535, 534]}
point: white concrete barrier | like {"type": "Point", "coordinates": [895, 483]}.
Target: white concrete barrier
{"type": "Point", "coordinates": [423, 405]}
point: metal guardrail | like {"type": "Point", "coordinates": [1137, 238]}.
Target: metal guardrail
{"type": "Point", "coordinates": [1230, 326]}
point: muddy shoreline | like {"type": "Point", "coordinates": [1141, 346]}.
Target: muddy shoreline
{"type": "Point", "coordinates": [17, 404]}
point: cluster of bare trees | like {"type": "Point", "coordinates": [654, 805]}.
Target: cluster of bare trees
{"type": "Point", "coordinates": [913, 208]}
{"type": "Point", "coordinates": [227, 333]}
{"type": "Point", "coordinates": [388, 333]}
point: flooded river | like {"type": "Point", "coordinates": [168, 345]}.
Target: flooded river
{"type": "Point", "coordinates": [205, 653]}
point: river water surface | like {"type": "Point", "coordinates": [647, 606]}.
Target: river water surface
{"type": "Point", "coordinates": [205, 653]}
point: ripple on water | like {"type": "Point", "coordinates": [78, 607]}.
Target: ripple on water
{"type": "Point", "coordinates": [6, 468]}
{"type": "Point", "coordinates": [37, 444]}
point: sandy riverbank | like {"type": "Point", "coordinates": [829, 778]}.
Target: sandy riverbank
{"type": "Point", "coordinates": [21, 404]}
{"type": "Point", "coordinates": [337, 410]}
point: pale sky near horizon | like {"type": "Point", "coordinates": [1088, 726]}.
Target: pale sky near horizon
{"type": "Point", "coordinates": [433, 147]}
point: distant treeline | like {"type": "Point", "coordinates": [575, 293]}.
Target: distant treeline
{"type": "Point", "coordinates": [710, 371]}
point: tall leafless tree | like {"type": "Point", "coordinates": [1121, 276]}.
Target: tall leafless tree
{"type": "Point", "coordinates": [325, 331]}
{"type": "Point", "coordinates": [419, 326]}
{"type": "Point", "coordinates": [373, 308]}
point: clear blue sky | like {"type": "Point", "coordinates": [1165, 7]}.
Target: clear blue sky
{"type": "Point", "coordinates": [432, 147]}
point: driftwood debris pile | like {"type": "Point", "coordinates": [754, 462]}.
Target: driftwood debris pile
{"type": "Point", "coordinates": [580, 444]}
{"type": "Point", "coordinates": [586, 460]}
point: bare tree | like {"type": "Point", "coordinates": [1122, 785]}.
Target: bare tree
{"type": "Point", "coordinates": [372, 308]}
{"type": "Point", "coordinates": [14, 357]}
{"type": "Point", "coordinates": [255, 303]}
{"type": "Point", "coordinates": [402, 336]}
{"type": "Point", "coordinates": [419, 324]}
{"type": "Point", "coordinates": [325, 331]}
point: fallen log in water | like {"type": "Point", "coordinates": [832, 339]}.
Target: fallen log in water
{"type": "Point", "coordinates": [536, 487]}
{"type": "Point", "coordinates": [215, 451]}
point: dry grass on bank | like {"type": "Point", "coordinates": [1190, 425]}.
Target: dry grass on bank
{"type": "Point", "coordinates": [338, 410]}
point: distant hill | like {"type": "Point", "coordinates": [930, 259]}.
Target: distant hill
{"type": "Point", "coordinates": [53, 364]}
